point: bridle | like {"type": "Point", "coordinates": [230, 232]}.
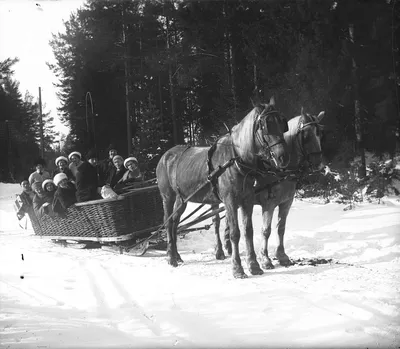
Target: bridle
{"type": "Point", "coordinates": [300, 128]}
{"type": "Point", "coordinates": [262, 125]}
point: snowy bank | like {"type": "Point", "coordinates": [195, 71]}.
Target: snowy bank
{"type": "Point", "coordinates": [70, 298]}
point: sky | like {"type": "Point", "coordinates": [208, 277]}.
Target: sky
{"type": "Point", "coordinates": [25, 30]}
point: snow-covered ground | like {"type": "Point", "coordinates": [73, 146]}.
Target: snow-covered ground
{"type": "Point", "coordinates": [72, 298]}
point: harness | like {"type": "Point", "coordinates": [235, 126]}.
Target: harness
{"type": "Point", "coordinates": [245, 170]}
{"type": "Point", "coordinates": [212, 179]}
{"type": "Point", "coordinates": [300, 128]}
{"type": "Point", "coordinates": [261, 139]}
{"type": "Point", "coordinates": [292, 175]}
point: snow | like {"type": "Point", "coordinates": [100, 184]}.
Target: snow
{"type": "Point", "coordinates": [91, 298]}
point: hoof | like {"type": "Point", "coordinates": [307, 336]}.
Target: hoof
{"type": "Point", "coordinates": [286, 262]}
{"type": "Point", "coordinates": [220, 255]}
{"type": "Point", "coordinates": [239, 273]}
{"type": "Point", "coordinates": [268, 264]}
{"type": "Point", "coordinates": [173, 262]}
{"type": "Point", "coordinates": [256, 270]}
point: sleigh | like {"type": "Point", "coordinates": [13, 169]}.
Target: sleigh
{"type": "Point", "coordinates": [113, 224]}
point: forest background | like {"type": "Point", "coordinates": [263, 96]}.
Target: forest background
{"type": "Point", "coordinates": [177, 71]}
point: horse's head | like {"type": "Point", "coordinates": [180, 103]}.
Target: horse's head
{"type": "Point", "coordinates": [268, 132]}
{"type": "Point", "coordinates": [309, 133]}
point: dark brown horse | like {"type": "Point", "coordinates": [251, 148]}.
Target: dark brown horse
{"type": "Point", "coordinates": [304, 141]}
{"type": "Point", "coordinates": [182, 170]}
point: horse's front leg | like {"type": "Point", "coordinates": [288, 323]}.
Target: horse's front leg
{"type": "Point", "coordinates": [219, 252]}
{"type": "Point", "coordinates": [232, 221]}
{"type": "Point", "coordinates": [247, 213]}
{"type": "Point", "coordinates": [267, 214]}
{"type": "Point", "coordinates": [280, 251]}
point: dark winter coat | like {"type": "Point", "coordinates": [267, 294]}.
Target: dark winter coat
{"type": "Point", "coordinates": [67, 171]}
{"type": "Point", "coordinates": [86, 183]}
{"type": "Point", "coordinates": [114, 176]}
{"type": "Point", "coordinates": [64, 198]}
{"type": "Point", "coordinates": [105, 167]}
{"type": "Point", "coordinates": [38, 207]}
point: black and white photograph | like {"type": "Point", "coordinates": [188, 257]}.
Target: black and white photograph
{"type": "Point", "coordinates": [199, 174]}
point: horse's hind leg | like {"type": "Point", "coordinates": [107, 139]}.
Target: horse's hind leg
{"type": "Point", "coordinates": [227, 240]}
{"type": "Point", "coordinates": [280, 251]}
{"type": "Point", "coordinates": [267, 214]}
{"type": "Point", "coordinates": [180, 207]}
{"type": "Point", "coordinates": [168, 205]}
{"type": "Point", "coordinates": [219, 252]}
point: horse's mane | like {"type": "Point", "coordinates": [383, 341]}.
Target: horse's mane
{"type": "Point", "coordinates": [243, 136]}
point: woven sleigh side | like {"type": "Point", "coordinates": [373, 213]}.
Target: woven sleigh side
{"type": "Point", "coordinates": [145, 209]}
{"type": "Point", "coordinates": [134, 213]}
{"type": "Point", "coordinates": [92, 219]}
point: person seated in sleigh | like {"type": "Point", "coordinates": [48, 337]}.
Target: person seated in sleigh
{"type": "Point", "coordinates": [65, 195]}
{"type": "Point", "coordinates": [132, 174]}
{"type": "Point", "coordinates": [117, 172]}
{"type": "Point", "coordinates": [87, 181]}
{"type": "Point", "coordinates": [42, 201]}
{"type": "Point", "coordinates": [62, 167]}
{"type": "Point", "coordinates": [24, 200]}
{"type": "Point", "coordinates": [40, 173]}
{"type": "Point", "coordinates": [76, 160]}
{"type": "Point", "coordinates": [49, 188]}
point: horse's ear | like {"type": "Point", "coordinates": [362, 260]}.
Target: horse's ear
{"type": "Point", "coordinates": [302, 111]}
{"type": "Point", "coordinates": [272, 101]}
{"type": "Point", "coordinates": [320, 116]}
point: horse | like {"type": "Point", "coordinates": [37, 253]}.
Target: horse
{"type": "Point", "coordinates": [278, 189]}
{"type": "Point", "coordinates": [193, 173]}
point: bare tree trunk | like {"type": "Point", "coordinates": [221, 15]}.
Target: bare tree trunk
{"type": "Point", "coordinates": [232, 74]}
{"type": "Point", "coordinates": [231, 57]}
{"type": "Point", "coordinates": [255, 76]}
{"type": "Point", "coordinates": [357, 109]}
{"type": "Point", "coordinates": [160, 99]}
{"type": "Point", "coordinates": [128, 117]}
{"type": "Point", "coordinates": [171, 88]}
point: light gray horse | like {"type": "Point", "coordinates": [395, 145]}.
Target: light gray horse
{"type": "Point", "coordinates": [277, 190]}
{"type": "Point", "coordinates": [187, 174]}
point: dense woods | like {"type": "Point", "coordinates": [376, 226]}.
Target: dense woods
{"type": "Point", "coordinates": [19, 127]}
{"type": "Point", "coordinates": [183, 69]}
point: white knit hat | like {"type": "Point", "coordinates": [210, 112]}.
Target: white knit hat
{"type": "Point", "coordinates": [75, 153]}
{"type": "Point", "coordinates": [61, 158]}
{"type": "Point", "coordinates": [128, 160]}
{"type": "Point", "coordinates": [59, 177]}
{"type": "Point", "coordinates": [46, 182]}
{"type": "Point", "coordinates": [117, 157]}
